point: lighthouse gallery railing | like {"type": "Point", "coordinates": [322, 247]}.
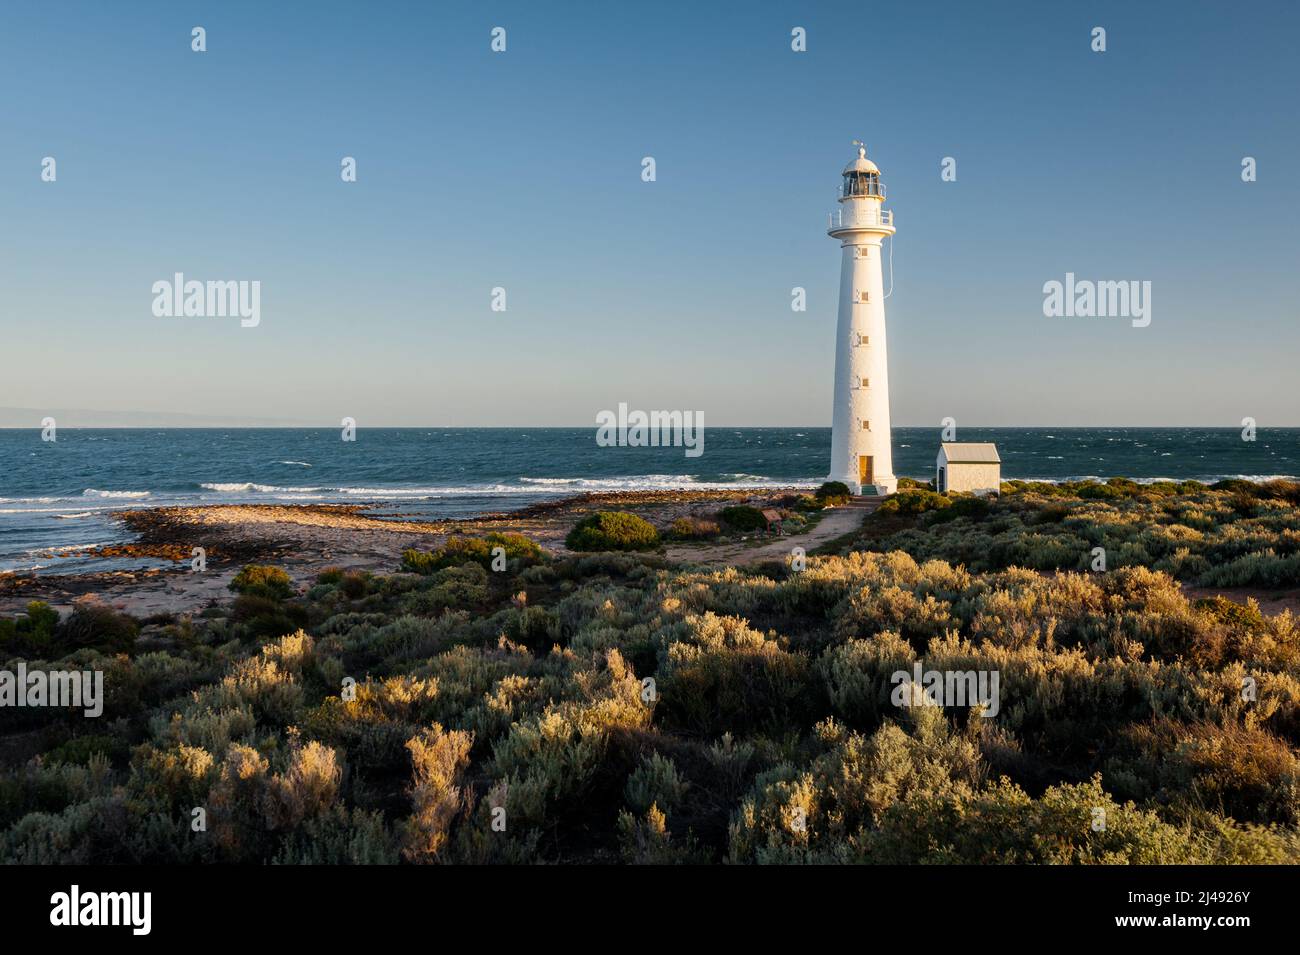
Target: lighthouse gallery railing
{"type": "Point", "coordinates": [838, 220]}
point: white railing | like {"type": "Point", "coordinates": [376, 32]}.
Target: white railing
{"type": "Point", "coordinates": [856, 220]}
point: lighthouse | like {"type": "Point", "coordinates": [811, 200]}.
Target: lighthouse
{"type": "Point", "coordinates": [860, 447]}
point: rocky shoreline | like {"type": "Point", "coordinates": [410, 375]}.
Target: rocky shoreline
{"type": "Point", "coordinates": [305, 539]}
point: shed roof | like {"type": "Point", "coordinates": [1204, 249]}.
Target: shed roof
{"type": "Point", "coordinates": [974, 452]}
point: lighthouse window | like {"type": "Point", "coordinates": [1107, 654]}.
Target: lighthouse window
{"type": "Point", "coordinates": [863, 340]}
{"type": "Point", "coordinates": [864, 252]}
{"type": "Point", "coordinates": [863, 297]}
{"type": "Point", "coordinates": [865, 383]}
{"type": "Point", "coordinates": [866, 425]}
{"type": "Point", "coordinates": [863, 184]}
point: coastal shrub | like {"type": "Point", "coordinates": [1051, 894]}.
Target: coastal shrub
{"type": "Point", "coordinates": [655, 783]}
{"type": "Point", "coordinates": [743, 518]}
{"type": "Point", "coordinates": [307, 788]}
{"type": "Point", "coordinates": [793, 522]}
{"type": "Point", "coordinates": [461, 587]}
{"type": "Point", "coordinates": [39, 788]}
{"type": "Point", "coordinates": [832, 493]}
{"type": "Point", "coordinates": [340, 837]}
{"type": "Point", "coordinates": [694, 528]}
{"type": "Point", "coordinates": [557, 758]}
{"type": "Point", "coordinates": [173, 777]}
{"type": "Point", "coordinates": [1248, 774]}
{"type": "Point", "coordinates": [518, 551]}
{"type": "Point", "coordinates": [962, 505]}
{"type": "Point", "coordinates": [647, 841]}
{"type": "Point", "coordinates": [330, 575]}
{"type": "Point", "coordinates": [95, 625]}
{"type": "Point", "coordinates": [769, 732]}
{"type": "Point", "coordinates": [724, 676]}
{"type": "Point", "coordinates": [1263, 569]}
{"type": "Point", "coordinates": [97, 830]}
{"type": "Point", "coordinates": [907, 484]}
{"type": "Point", "coordinates": [354, 584]}
{"type": "Point", "coordinates": [260, 580]}
{"type": "Point", "coordinates": [1002, 825]}
{"type": "Point", "coordinates": [826, 812]}
{"type": "Point", "coordinates": [1096, 491]}
{"type": "Point", "coordinates": [262, 617]}
{"type": "Point", "coordinates": [438, 759]}
{"type": "Point", "coordinates": [80, 749]}
{"type": "Point", "coordinates": [911, 502]}
{"type": "Point", "coordinates": [1238, 616]}
{"type": "Point", "coordinates": [612, 530]}
{"type": "Point", "coordinates": [31, 634]}
{"type": "Point", "coordinates": [857, 675]}
{"type": "Point", "coordinates": [1198, 534]}
{"type": "Point", "coordinates": [251, 806]}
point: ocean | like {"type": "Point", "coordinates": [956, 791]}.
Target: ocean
{"type": "Point", "coordinates": [56, 497]}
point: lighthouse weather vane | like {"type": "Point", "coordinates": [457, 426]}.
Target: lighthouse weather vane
{"type": "Point", "coordinates": [861, 455]}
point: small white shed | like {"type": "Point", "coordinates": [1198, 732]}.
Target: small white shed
{"type": "Point", "coordinates": [973, 467]}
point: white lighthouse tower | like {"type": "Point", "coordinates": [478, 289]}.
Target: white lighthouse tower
{"type": "Point", "coordinates": [860, 447]}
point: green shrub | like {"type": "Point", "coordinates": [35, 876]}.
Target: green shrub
{"type": "Point", "coordinates": [264, 617]}
{"type": "Point", "coordinates": [355, 583]}
{"type": "Point", "coordinates": [833, 489]}
{"type": "Point", "coordinates": [100, 627]}
{"type": "Point", "coordinates": [647, 841]}
{"type": "Point", "coordinates": [1093, 491]}
{"type": "Point", "coordinates": [908, 484]}
{"type": "Point", "coordinates": [743, 518]}
{"type": "Point", "coordinates": [30, 635]}
{"type": "Point", "coordinates": [330, 575]}
{"type": "Point", "coordinates": [965, 505]}
{"type": "Point", "coordinates": [913, 502]}
{"type": "Point", "coordinates": [833, 494]}
{"type": "Point", "coordinates": [519, 551]}
{"type": "Point", "coordinates": [260, 580]}
{"type": "Point", "coordinates": [612, 530]}
{"type": "Point", "coordinates": [725, 676]}
{"type": "Point", "coordinates": [461, 587]}
{"type": "Point", "coordinates": [80, 750]}
{"type": "Point", "coordinates": [655, 782]}
{"type": "Point", "coordinates": [694, 528]}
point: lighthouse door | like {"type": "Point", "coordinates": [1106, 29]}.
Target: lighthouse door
{"type": "Point", "coordinates": [866, 469]}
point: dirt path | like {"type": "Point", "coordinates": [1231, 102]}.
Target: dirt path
{"type": "Point", "coordinates": [837, 522]}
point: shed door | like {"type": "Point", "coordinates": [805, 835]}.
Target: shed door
{"type": "Point", "coordinates": [942, 484]}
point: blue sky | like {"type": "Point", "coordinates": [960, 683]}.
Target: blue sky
{"type": "Point", "coordinates": [522, 170]}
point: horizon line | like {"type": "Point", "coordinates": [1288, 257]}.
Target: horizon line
{"type": "Point", "coordinates": [576, 427]}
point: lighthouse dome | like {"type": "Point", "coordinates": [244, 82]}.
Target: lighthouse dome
{"type": "Point", "coordinates": [861, 178]}
{"type": "Point", "coordinates": [861, 164]}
